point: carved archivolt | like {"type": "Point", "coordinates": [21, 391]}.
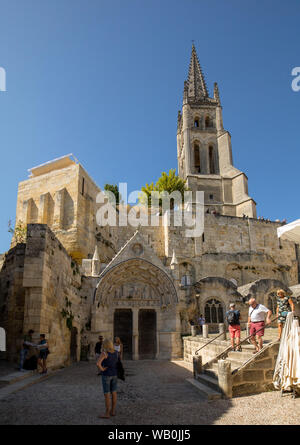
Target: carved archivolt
{"type": "Point", "coordinates": [136, 282]}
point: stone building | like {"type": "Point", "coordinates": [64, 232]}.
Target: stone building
{"type": "Point", "coordinates": [73, 279]}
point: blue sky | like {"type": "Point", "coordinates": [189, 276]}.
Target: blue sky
{"type": "Point", "coordinates": [104, 80]}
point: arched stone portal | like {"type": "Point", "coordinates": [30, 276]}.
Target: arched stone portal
{"type": "Point", "coordinates": [138, 301]}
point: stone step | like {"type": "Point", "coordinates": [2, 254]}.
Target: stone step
{"type": "Point", "coordinates": [236, 364]}
{"type": "Point", "coordinates": [205, 390]}
{"type": "Point", "coordinates": [209, 380]}
{"type": "Point", "coordinates": [240, 356]}
{"type": "Point", "coordinates": [14, 377]}
{"type": "Point", "coordinates": [23, 383]}
{"type": "Point", "coordinates": [212, 371]}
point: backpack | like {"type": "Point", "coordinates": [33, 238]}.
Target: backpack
{"type": "Point", "coordinates": [232, 317]}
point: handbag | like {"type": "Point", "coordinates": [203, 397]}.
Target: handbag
{"type": "Point", "coordinates": [120, 370]}
{"type": "Point", "coordinates": [284, 313]}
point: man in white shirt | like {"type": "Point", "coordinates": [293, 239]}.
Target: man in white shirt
{"type": "Point", "coordinates": [256, 322]}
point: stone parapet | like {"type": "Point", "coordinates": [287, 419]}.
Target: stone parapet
{"type": "Point", "coordinates": [257, 375]}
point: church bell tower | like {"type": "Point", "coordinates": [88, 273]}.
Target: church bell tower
{"type": "Point", "coordinates": [204, 149]}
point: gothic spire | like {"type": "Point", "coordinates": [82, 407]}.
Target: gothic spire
{"type": "Point", "coordinates": [216, 93]}
{"type": "Point", "coordinates": [195, 85]}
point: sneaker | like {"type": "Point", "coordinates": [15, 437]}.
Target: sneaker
{"type": "Point", "coordinates": [239, 349]}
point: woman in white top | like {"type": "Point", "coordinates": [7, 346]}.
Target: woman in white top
{"type": "Point", "coordinates": [118, 347]}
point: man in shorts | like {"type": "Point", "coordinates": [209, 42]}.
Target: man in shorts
{"type": "Point", "coordinates": [233, 318]}
{"type": "Point", "coordinates": [256, 322]}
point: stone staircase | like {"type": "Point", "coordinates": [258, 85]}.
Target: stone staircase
{"type": "Point", "coordinates": [249, 373]}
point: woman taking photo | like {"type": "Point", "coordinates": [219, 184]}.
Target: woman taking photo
{"type": "Point", "coordinates": [107, 364]}
{"type": "Point", "coordinates": [284, 306]}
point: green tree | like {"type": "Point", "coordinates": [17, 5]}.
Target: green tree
{"type": "Point", "coordinates": [115, 190]}
{"type": "Point", "coordinates": [169, 182]}
{"type": "Point", "coordinates": [19, 232]}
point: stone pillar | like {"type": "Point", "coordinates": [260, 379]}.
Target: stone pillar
{"type": "Point", "coordinates": [219, 120]}
{"type": "Point", "coordinates": [225, 378]}
{"type": "Point", "coordinates": [205, 331]}
{"type": "Point", "coordinates": [197, 365]}
{"type": "Point", "coordinates": [96, 264]}
{"type": "Point", "coordinates": [135, 334]}
{"type": "Point", "coordinates": [193, 331]}
{"type": "Point", "coordinates": [44, 204]}
{"type": "Point", "coordinates": [29, 211]}
{"type": "Point", "coordinates": [157, 344]}
{"type": "Point", "coordinates": [59, 203]}
{"type": "Point", "coordinates": [222, 330]}
{"type": "Point", "coordinates": [25, 211]}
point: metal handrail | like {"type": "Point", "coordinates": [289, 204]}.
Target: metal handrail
{"type": "Point", "coordinates": [196, 352]}
{"type": "Point", "coordinates": [229, 347]}
{"type": "Point", "coordinates": [222, 333]}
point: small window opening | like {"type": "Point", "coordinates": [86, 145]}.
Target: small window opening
{"type": "Point", "coordinates": [197, 158]}
{"type": "Point", "coordinates": [211, 160]}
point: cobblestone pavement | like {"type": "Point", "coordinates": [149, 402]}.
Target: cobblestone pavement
{"type": "Point", "coordinates": [155, 393]}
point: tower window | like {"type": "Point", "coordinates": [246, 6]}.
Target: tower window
{"type": "Point", "coordinates": [211, 196]}
{"type": "Point", "coordinates": [197, 158]}
{"type": "Point", "coordinates": [82, 187]}
{"type": "Point", "coordinates": [211, 160]}
{"type": "Point", "coordinates": [207, 122]}
{"type": "Point", "coordinates": [196, 123]}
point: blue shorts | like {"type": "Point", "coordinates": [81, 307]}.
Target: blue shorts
{"type": "Point", "coordinates": [109, 383]}
{"type": "Point", "coordinates": [43, 355]}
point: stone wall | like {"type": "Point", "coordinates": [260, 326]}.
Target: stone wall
{"type": "Point", "coordinates": [231, 247]}
{"type": "Point", "coordinates": [39, 281]}
{"type": "Point", "coordinates": [192, 344]}
{"type": "Point", "coordinates": [65, 200]}
{"type": "Point", "coordinates": [53, 284]}
{"type": "Point", "coordinates": [12, 298]}
{"type": "Point", "coordinates": [256, 376]}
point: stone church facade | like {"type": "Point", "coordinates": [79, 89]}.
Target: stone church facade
{"type": "Point", "coordinates": [73, 280]}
